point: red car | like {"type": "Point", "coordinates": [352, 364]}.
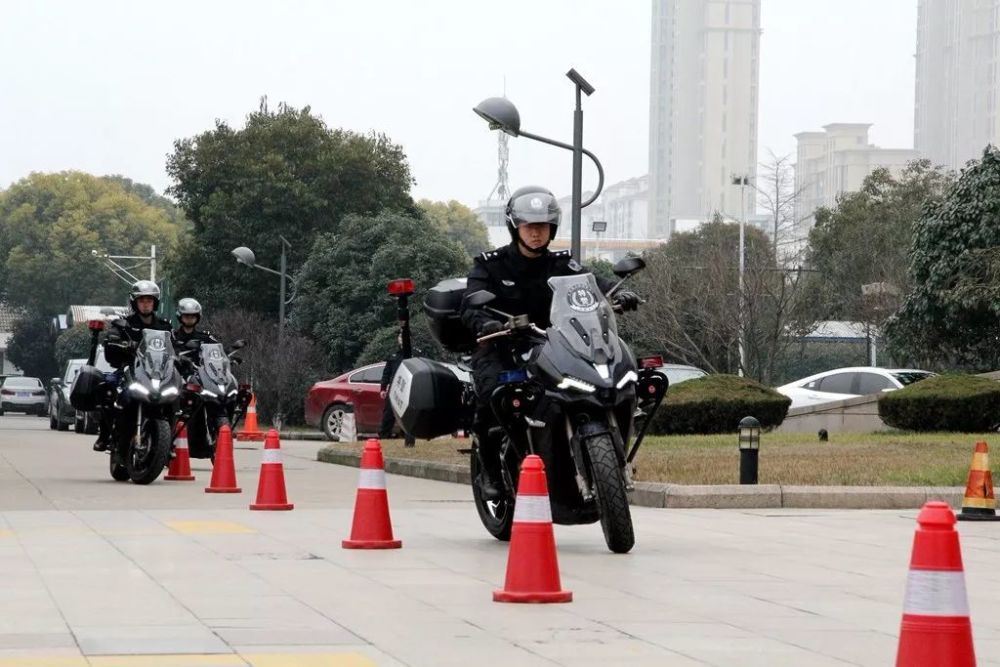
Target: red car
{"type": "Point", "coordinates": [358, 389]}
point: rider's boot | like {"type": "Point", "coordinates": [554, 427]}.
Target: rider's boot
{"type": "Point", "coordinates": [489, 480]}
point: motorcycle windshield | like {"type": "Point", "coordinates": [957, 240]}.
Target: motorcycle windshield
{"type": "Point", "coordinates": [214, 365]}
{"type": "Point", "coordinates": [156, 354]}
{"type": "Point", "coordinates": [583, 318]}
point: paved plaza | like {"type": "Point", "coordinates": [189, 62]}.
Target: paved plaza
{"type": "Point", "coordinates": [104, 574]}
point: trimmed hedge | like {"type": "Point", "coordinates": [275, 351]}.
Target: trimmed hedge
{"type": "Point", "coordinates": [964, 403]}
{"type": "Point", "coordinates": [716, 404]}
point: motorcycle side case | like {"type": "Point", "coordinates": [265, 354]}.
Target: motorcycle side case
{"type": "Point", "coordinates": [85, 394]}
{"type": "Point", "coordinates": [426, 397]}
{"type": "Point", "coordinates": [443, 305]}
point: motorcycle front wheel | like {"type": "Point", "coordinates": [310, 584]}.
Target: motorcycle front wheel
{"type": "Point", "coordinates": [609, 488]}
{"type": "Point", "coordinates": [497, 515]}
{"type": "Point", "coordinates": [150, 452]}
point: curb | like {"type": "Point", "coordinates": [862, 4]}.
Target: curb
{"type": "Point", "coordinates": [717, 496]}
{"type": "Point", "coordinates": [302, 435]}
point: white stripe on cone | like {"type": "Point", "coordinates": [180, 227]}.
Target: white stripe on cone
{"type": "Point", "coordinates": [182, 443]}
{"type": "Point", "coordinates": [272, 456]}
{"type": "Point", "coordinates": [371, 479]}
{"type": "Point", "coordinates": [936, 593]}
{"type": "Point", "coordinates": [532, 509]}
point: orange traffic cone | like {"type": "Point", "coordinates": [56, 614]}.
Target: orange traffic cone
{"type": "Point", "coordinates": [223, 470]}
{"type": "Point", "coordinates": [372, 527]}
{"type": "Point", "coordinates": [271, 485]}
{"type": "Point", "coordinates": [936, 630]}
{"type": "Point", "coordinates": [979, 503]}
{"type": "Point", "coordinates": [250, 429]}
{"type": "Point", "coordinates": [180, 464]}
{"type": "Point", "coordinates": [532, 564]}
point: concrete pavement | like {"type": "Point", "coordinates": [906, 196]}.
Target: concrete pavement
{"type": "Point", "coordinates": [105, 574]}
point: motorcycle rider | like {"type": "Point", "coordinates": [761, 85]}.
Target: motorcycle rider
{"type": "Point", "coordinates": [517, 274]}
{"type": "Point", "coordinates": [189, 316]}
{"type": "Point", "coordinates": [123, 338]}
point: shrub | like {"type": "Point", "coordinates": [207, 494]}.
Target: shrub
{"type": "Point", "coordinates": [716, 404]}
{"type": "Point", "coordinates": [964, 403]}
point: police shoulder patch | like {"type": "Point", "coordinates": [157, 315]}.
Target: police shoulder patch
{"type": "Point", "coordinates": [561, 253]}
{"type": "Point", "coordinates": [490, 255]}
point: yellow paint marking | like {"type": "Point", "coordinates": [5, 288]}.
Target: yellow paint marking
{"type": "Point", "coordinates": [218, 660]}
{"type": "Point", "coordinates": [207, 527]}
{"type": "Point", "coordinates": [6, 533]}
{"type": "Point", "coordinates": [309, 660]}
{"type": "Point", "coordinates": [45, 661]}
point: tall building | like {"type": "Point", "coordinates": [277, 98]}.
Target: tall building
{"type": "Point", "coordinates": [957, 79]}
{"type": "Point", "coordinates": [705, 57]}
{"type": "Point", "coordinates": [834, 161]}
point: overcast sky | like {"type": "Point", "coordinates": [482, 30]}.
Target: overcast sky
{"type": "Point", "coordinates": [106, 87]}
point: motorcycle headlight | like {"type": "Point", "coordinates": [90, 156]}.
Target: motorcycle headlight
{"type": "Point", "coordinates": [574, 383]}
{"type": "Point", "coordinates": [138, 388]}
{"type": "Point", "coordinates": [206, 392]}
{"type": "Point", "coordinates": [631, 376]}
{"type": "Point", "coordinates": [168, 392]}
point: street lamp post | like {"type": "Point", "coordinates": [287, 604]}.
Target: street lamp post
{"type": "Point", "coordinates": [742, 181]}
{"type": "Point", "coordinates": [246, 256]}
{"type": "Point", "coordinates": [502, 115]}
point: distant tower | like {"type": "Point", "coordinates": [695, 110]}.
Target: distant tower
{"type": "Point", "coordinates": [502, 186]}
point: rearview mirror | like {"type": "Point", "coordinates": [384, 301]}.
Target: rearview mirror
{"type": "Point", "coordinates": [120, 323]}
{"type": "Point", "coordinates": [628, 265]}
{"type": "Point", "coordinates": [192, 345]}
{"type": "Point", "coordinates": [480, 298]}
{"type": "Point", "coordinates": [239, 344]}
{"type": "Point", "coordinates": [236, 359]}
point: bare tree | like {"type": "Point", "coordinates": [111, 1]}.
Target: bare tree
{"type": "Point", "coordinates": [776, 196]}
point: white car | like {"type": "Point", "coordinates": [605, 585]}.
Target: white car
{"type": "Point", "coordinates": [677, 373]}
{"type": "Point", "coordinates": [843, 383]}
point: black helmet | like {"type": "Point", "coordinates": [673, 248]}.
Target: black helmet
{"type": "Point", "coordinates": [143, 288]}
{"type": "Point", "coordinates": [532, 204]}
{"type": "Point", "coordinates": [188, 306]}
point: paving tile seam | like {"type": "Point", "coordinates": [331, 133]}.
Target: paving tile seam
{"type": "Point", "coordinates": [651, 642]}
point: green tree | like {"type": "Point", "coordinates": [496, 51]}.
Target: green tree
{"type": "Point", "coordinates": [458, 223]}
{"type": "Point", "coordinates": [951, 318]}
{"type": "Point", "coordinates": [865, 239]}
{"type": "Point", "coordinates": [285, 173]}
{"type": "Point", "coordinates": [151, 197]}
{"type": "Point", "coordinates": [73, 343]}
{"type": "Point", "coordinates": [31, 347]}
{"type": "Point", "coordinates": [50, 223]}
{"type": "Point", "coordinates": [341, 300]}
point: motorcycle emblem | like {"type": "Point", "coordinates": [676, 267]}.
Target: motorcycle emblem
{"type": "Point", "coordinates": [215, 355]}
{"type": "Point", "coordinates": [156, 344]}
{"type": "Point", "coordinates": [536, 203]}
{"type": "Point", "coordinates": [581, 299]}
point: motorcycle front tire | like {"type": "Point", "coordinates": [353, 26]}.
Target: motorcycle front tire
{"type": "Point", "coordinates": [609, 488]}
{"type": "Point", "coordinates": [160, 437]}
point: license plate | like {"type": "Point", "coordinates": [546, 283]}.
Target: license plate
{"type": "Point", "coordinates": [24, 394]}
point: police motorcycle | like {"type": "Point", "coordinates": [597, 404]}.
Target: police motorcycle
{"type": "Point", "coordinates": [210, 397]}
{"type": "Point", "coordinates": [141, 398]}
{"type": "Point", "coordinates": [576, 397]}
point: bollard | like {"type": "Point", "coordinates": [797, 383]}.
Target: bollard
{"type": "Point", "coordinates": [749, 449]}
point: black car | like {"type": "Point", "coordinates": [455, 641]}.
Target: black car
{"type": "Point", "coordinates": [62, 415]}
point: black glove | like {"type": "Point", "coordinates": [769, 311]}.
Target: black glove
{"type": "Point", "coordinates": [489, 327]}
{"type": "Point", "coordinates": [627, 300]}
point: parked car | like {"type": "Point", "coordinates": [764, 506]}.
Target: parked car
{"type": "Point", "coordinates": [677, 373]}
{"type": "Point", "coordinates": [843, 383]}
{"type": "Point", "coordinates": [62, 415]}
{"type": "Point", "coordinates": [23, 394]}
{"type": "Point", "coordinates": [359, 389]}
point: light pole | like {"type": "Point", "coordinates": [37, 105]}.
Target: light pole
{"type": "Point", "coordinates": [502, 115]}
{"type": "Point", "coordinates": [124, 273]}
{"type": "Point", "coordinates": [245, 256]}
{"type": "Point", "coordinates": [598, 227]}
{"type": "Point", "coordinates": [742, 181]}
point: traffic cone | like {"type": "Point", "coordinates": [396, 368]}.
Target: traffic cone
{"type": "Point", "coordinates": [979, 503]}
{"type": "Point", "coordinates": [936, 630]}
{"type": "Point", "coordinates": [372, 527]}
{"type": "Point", "coordinates": [532, 563]}
{"type": "Point", "coordinates": [250, 429]}
{"type": "Point", "coordinates": [180, 464]}
{"type": "Point", "coordinates": [271, 484]}
{"type": "Point", "coordinates": [223, 470]}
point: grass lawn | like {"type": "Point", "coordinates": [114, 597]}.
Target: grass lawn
{"type": "Point", "coordinates": [850, 459]}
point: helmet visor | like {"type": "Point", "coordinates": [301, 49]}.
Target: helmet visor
{"type": "Point", "coordinates": [535, 207]}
